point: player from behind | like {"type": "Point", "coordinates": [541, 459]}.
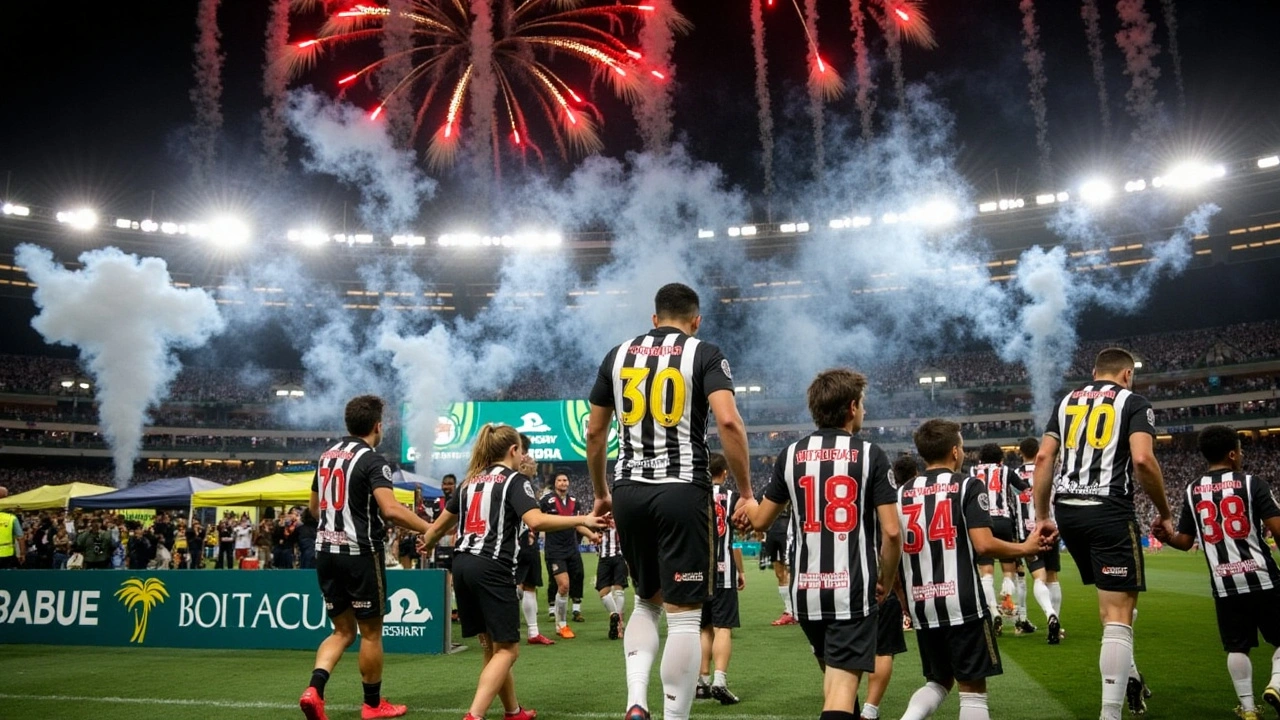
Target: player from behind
{"type": "Point", "coordinates": [495, 498]}
{"type": "Point", "coordinates": [845, 524]}
{"type": "Point", "coordinates": [529, 561]}
{"type": "Point", "coordinates": [661, 387]}
{"type": "Point", "coordinates": [1227, 512]}
{"type": "Point", "coordinates": [720, 614]}
{"type": "Point", "coordinates": [1046, 565]}
{"type": "Point", "coordinates": [611, 580]}
{"type": "Point", "coordinates": [946, 527]}
{"type": "Point", "coordinates": [993, 473]}
{"type": "Point", "coordinates": [1106, 434]}
{"type": "Point", "coordinates": [351, 495]}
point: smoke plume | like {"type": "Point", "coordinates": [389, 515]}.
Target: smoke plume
{"type": "Point", "coordinates": [1093, 33]}
{"type": "Point", "coordinates": [1034, 58]}
{"type": "Point", "coordinates": [653, 106]}
{"type": "Point", "coordinates": [275, 84]}
{"type": "Point", "coordinates": [397, 44]}
{"type": "Point", "coordinates": [206, 96]}
{"type": "Point", "coordinates": [862, 68]}
{"type": "Point", "coordinates": [1171, 25]}
{"type": "Point", "coordinates": [125, 317]}
{"type": "Point", "coordinates": [484, 85]}
{"type": "Point", "coordinates": [1137, 41]}
{"type": "Point", "coordinates": [764, 112]}
{"type": "Point", "coordinates": [817, 113]}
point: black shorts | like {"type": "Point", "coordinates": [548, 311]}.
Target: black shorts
{"type": "Point", "coordinates": [611, 572]}
{"type": "Point", "coordinates": [353, 582]}
{"type": "Point", "coordinates": [844, 644]}
{"type": "Point", "coordinates": [667, 539]}
{"type": "Point", "coordinates": [1107, 549]}
{"type": "Point", "coordinates": [721, 610]}
{"type": "Point", "coordinates": [1242, 617]}
{"type": "Point", "coordinates": [486, 602]}
{"type": "Point", "coordinates": [443, 558]}
{"type": "Point", "coordinates": [528, 569]}
{"type": "Point", "coordinates": [890, 639]}
{"type": "Point", "coordinates": [571, 564]}
{"type": "Point", "coordinates": [963, 652]}
{"type": "Point", "coordinates": [1050, 561]}
{"type": "Point", "coordinates": [1002, 529]}
{"type": "Point", "coordinates": [776, 548]}
{"type": "Point", "coordinates": [9, 563]}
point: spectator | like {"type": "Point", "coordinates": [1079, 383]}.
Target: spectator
{"type": "Point", "coordinates": [226, 543]}
{"type": "Point", "coordinates": [96, 547]}
{"type": "Point", "coordinates": [307, 541]}
{"type": "Point", "coordinates": [61, 547]}
{"type": "Point", "coordinates": [142, 548]}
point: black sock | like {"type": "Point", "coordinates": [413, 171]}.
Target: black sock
{"type": "Point", "coordinates": [836, 715]}
{"type": "Point", "coordinates": [373, 694]}
{"type": "Point", "coordinates": [319, 677]}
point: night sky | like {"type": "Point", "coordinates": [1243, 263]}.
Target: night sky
{"type": "Point", "coordinates": [97, 96]}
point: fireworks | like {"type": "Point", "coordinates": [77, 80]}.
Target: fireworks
{"type": "Point", "coordinates": [911, 22]}
{"type": "Point", "coordinates": [528, 37]}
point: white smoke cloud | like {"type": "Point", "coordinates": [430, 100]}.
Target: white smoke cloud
{"type": "Point", "coordinates": [126, 317]}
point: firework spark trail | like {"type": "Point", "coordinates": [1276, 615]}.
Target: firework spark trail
{"type": "Point", "coordinates": [894, 48]}
{"type": "Point", "coordinates": [1034, 57]}
{"type": "Point", "coordinates": [816, 110]}
{"type": "Point", "coordinates": [1137, 41]}
{"type": "Point", "coordinates": [765, 112]}
{"type": "Point", "coordinates": [484, 84]}
{"type": "Point", "coordinates": [207, 93]}
{"type": "Point", "coordinates": [275, 83]}
{"type": "Point", "coordinates": [653, 106]}
{"type": "Point", "coordinates": [397, 44]}
{"type": "Point", "coordinates": [862, 68]}
{"type": "Point", "coordinates": [1171, 25]}
{"type": "Point", "coordinates": [1093, 33]}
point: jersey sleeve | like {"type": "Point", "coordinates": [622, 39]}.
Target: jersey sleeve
{"type": "Point", "coordinates": [882, 492]}
{"type": "Point", "coordinates": [776, 490]}
{"type": "Point", "coordinates": [522, 498]}
{"type": "Point", "coordinates": [453, 504]}
{"type": "Point", "coordinates": [715, 372]}
{"type": "Point", "coordinates": [379, 473]}
{"type": "Point", "coordinates": [1051, 428]}
{"type": "Point", "coordinates": [602, 391]}
{"type": "Point", "coordinates": [1142, 418]}
{"type": "Point", "coordinates": [546, 504]}
{"type": "Point", "coordinates": [1187, 518]}
{"type": "Point", "coordinates": [976, 504]}
{"type": "Point", "coordinates": [1264, 503]}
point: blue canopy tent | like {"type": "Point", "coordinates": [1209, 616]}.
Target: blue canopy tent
{"type": "Point", "coordinates": [167, 493]}
{"type": "Point", "coordinates": [409, 481]}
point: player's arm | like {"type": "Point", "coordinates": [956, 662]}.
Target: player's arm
{"type": "Point", "coordinates": [760, 516]}
{"type": "Point", "coordinates": [544, 522]}
{"type": "Point", "coordinates": [977, 520]}
{"type": "Point", "coordinates": [1265, 506]}
{"type": "Point", "coordinates": [443, 524]}
{"type": "Point", "coordinates": [1042, 479]}
{"type": "Point", "coordinates": [392, 511]}
{"type": "Point", "coordinates": [886, 500]}
{"type": "Point", "coordinates": [733, 440]}
{"type": "Point", "coordinates": [598, 421]}
{"type": "Point", "coordinates": [1147, 468]}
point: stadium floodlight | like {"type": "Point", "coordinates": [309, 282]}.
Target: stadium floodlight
{"type": "Point", "coordinates": [754, 388]}
{"type": "Point", "coordinates": [1096, 191]}
{"type": "Point", "coordinates": [1135, 185]}
{"type": "Point", "coordinates": [18, 210]}
{"type": "Point", "coordinates": [1062, 197]}
{"type": "Point", "coordinates": [789, 227]}
{"type": "Point", "coordinates": [170, 228]}
{"type": "Point", "coordinates": [706, 234]}
{"type": "Point", "coordinates": [889, 218]}
{"type": "Point", "coordinates": [148, 225]}
{"type": "Point", "coordinates": [408, 240]}
{"type": "Point", "coordinates": [735, 232]}
{"type": "Point", "coordinates": [802, 227]}
{"type": "Point", "coordinates": [124, 223]}
{"type": "Point", "coordinates": [988, 207]}
{"type": "Point", "coordinates": [935, 213]}
{"type": "Point", "coordinates": [1046, 199]}
{"type": "Point", "coordinates": [749, 230]}
{"type": "Point", "coordinates": [1190, 175]}
{"type": "Point", "coordinates": [227, 232]}
{"type": "Point", "coordinates": [861, 221]}
{"type": "Point", "coordinates": [1269, 162]}
{"type": "Point", "coordinates": [82, 219]}
{"type": "Point", "coordinates": [309, 237]}
{"type": "Point", "coordinates": [67, 383]}
{"type": "Point", "coordinates": [840, 224]}
{"type": "Point", "coordinates": [740, 388]}
{"type": "Point", "coordinates": [297, 393]}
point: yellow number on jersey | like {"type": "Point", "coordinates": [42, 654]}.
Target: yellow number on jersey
{"type": "Point", "coordinates": [669, 385]}
{"type": "Point", "coordinates": [1100, 427]}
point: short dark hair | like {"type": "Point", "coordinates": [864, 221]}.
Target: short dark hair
{"type": "Point", "coordinates": [676, 301]}
{"type": "Point", "coordinates": [449, 476]}
{"type": "Point", "coordinates": [1217, 441]}
{"type": "Point", "coordinates": [904, 468]}
{"type": "Point", "coordinates": [717, 465]}
{"type": "Point", "coordinates": [1029, 447]}
{"type": "Point", "coordinates": [362, 414]}
{"type": "Point", "coordinates": [935, 438]}
{"type": "Point", "coordinates": [1113, 361]}
{"type": "Point", "coordinates": [990, 453]}
{"type": "Point", "coordinates": [524, 443]}
{"type": "Point", "coordinates": [558, 475]}
{"type": "Point", "coordinates": [831, 393]}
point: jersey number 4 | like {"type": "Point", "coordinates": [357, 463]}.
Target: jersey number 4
{"type": "Point", "coordinates": [1233, 523]}
{"type": "Point", "coordinates": [940, 527]}
{"type": "Point", "coordinates": [333, 488]}
{"type": "Point", "coordinates": [841, 494]}
{"type": "Point", "coordinates": [1099, 428]}
{"type": "Point", "coordinates": [668, 389]}
{"type": "Point", "coordinates": [475, 524]}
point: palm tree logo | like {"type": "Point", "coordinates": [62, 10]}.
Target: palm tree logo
{"type": "Point", "coordinates": [140, 597]}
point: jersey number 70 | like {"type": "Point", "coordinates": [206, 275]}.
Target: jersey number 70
{"type": "Point", "coordinates": [1100, 427]}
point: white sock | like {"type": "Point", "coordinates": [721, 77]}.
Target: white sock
{"type": "Point", "coordinates": [870, 712]}
{"type": "Point", "coordinates": [1044, 598]}
{"type": "Point", "coordinates": [1006, 585]}
{"type": "Point", "coordinates": [1114, 662]}
{"type": "Point", "coordinates": [1241, 671]}
{"type": "Point", "coordinates": [680, 660]}
{"type": "Point", "coordinates": [925, 701]}
{"type": "Point", "coordinates": [704, 679]}
{"type": "Point", "coordinates": [1020, 596]}
{"type": "Point", "coordinates": [989, 587]}
{"type": "Point", "coordinates": [640, 645]}
{"type": "Point", "coordinates": [607, 600]}
{"type": "Point", "coordinates": [973, 706]}
{"type": "Point", "coordinates": [721, 679]}
{"type": "Point", "coordinates": [1275, 670]}
{"type": "Point", "coordinates": [1055, 595]}
{"type": "Point", "coordinates": [620, 600]}
{"type": "Point", "coordinates": [785, 593]}
{"type": "Point", "coordinates": [529, 604]}
{"type": "Point", "coordinates": [562, 604]}
{"type": "Point", "coordinates": [577, 606]}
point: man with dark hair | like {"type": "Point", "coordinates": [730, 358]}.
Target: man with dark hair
{"type": "Point", "coordinates": [564, 556]}
{"type": "Point", "coordinates": [946, 525]}
{"type": "Point", "coordinates": [662, 387]}
{"type": "Point", "coordinates": [1044, 566]}
{"type": "Point", "coordinates": [997, 477]}
{"type": "Point", "coordinates": [351, 495]}
{"type": "Point", "coordinates": [442, 556]}
{"type": "Point", "coordinates": [720, 614]}
{"type": "Point", "coordinates": [1227, 511]}
{"type": "Point", "coordinates": [904, 469]}
{"type": "Point", "coordinates": [1107, 434]}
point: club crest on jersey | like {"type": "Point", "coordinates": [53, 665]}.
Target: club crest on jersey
{"type": "Point", "coordinates": [386, 471]}
{"type": "Point", "coordinates": [724, 366]}
{"type": "Point", "coordinates": [528, 490]}
{"type": "Point", "coordinates": [1151, 417]}
{"type": "Point", "coordinates": [984, 502]}
{"type": "Point", "coordinates": [689, 577]}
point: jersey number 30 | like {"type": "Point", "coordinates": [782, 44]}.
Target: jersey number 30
{"type": "Point", "coordinates": [668, 390]}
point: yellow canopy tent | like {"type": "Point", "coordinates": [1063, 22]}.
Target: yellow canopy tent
{"type": "Point", "coordinates": [49, 497]}
{"type": "Point", "coordinates": [277, 490]}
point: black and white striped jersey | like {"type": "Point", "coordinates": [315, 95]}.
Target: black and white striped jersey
{"type": "Point", "coordinates": [939, 564]}
{"type": "Point", "coordinates": [489, 509]}
{"type": "Point", "coordinates": [561, 543]}
{"type": "Point", "coordinates": [609, 544]}
{"type": "Point", "coordinates": [1094, 423]}
{"type": "Point", "coordinates": [658, 385]}
{"type": "Point", "coordinates": [1022, 503]}
{"type": "Point", "coordinates": [995, 477]}
{"type": "Point", "coordinates": [834, 482]}
{"type": "Point", "coordinates": [724, 501]}
{"type": "Point", "coordinates": [1226, 511]}
{"type": "Point", "coordinates": [350, 522]}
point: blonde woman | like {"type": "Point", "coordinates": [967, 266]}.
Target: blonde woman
{"type": "Point", "coordinates": [493, 501]}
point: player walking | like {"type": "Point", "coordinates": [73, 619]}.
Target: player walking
{"type": "Point", "coordinates": [1227, 511]}
{"type": "Point", "coordinates": [777, 549]}
{"type": "Point", "coordinates": [529, 562]}
{"type": "Point", "coordinates": [1044, 566]}
{"type": "Point", "coordinates": [1107, 435]}
{"type": "Point", "coordinates": [720, 615]}
{"type": "Point", "coordinates": [611, 580]}
{"type": "Point", "coordinates": [993, 473]}
{"type": "Point", "coordinates": [661, 386]}
{"type": "Point", "coordinates": [564, 558]}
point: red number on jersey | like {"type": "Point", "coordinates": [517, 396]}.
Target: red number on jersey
{"type": "Point", "coordinates": [841, 514]}
{"type": "Point", "coordinates": [941, 528]}
{"type": "Point", "coordinates": [721, 528]}
{"type": "Point", "coordinates": [914, 540]}
{"type": "Point", "coordinates": [1234, 521]}
{"type": "Point", "coordinates": [475, 524]}
{"type": "Point", "coordinates": [995, 483]}
{"type": "Point", "coordinates": [333, 480]}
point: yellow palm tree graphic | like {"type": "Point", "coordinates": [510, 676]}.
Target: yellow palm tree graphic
{"type": "Point", "coordinates": [134, 593]}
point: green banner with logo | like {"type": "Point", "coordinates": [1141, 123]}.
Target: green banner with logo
{"type": "Point", "coordinates": [557, 429]}
{"type": "Point", "coordinates": [278, 609]}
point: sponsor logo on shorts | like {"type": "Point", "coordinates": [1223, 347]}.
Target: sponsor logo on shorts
{"type": "Point", "coordinates": [930, 591]}
{"type": "Point", "coordinates": [1115, 571]}
{"type": "Point", "coordinates": [690, 577]}
{"type": "Point", "coordinates": [822, 580]}
{"type": "Point", "coordinates": [361, 604]}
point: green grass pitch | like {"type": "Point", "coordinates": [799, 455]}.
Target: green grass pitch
{"type": "Point", "coordinates": [772, 671]}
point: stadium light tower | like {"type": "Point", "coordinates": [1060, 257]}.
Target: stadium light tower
{"type": "Point", "coordinates": [932, 378]}
{"type": "Point", "coordinates": [1096, 191]}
